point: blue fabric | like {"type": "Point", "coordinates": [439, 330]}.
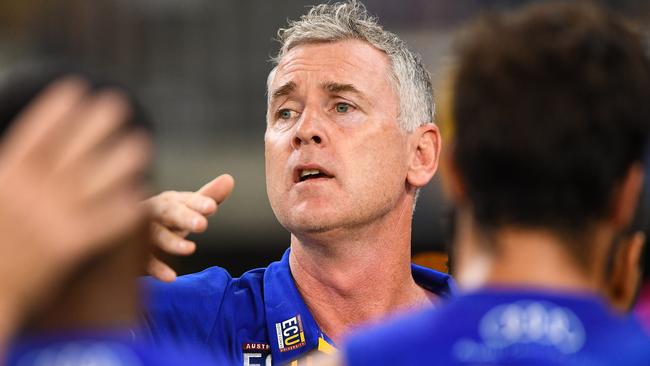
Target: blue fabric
{"type": "Point", "coordinates": [505, 327]}
{"type": "Point", "coordinates": [106, 348]}
{"type": "Point", "coordinates": [248, 320]}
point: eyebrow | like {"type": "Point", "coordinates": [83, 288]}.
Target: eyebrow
{"type": "Point", "coordinates": [285, 89]}
{"type": "Point", "coordinates": [333, 87]}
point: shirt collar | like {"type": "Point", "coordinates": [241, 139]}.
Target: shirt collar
{"type": "Point", "coordinates": [291, 325]}
{"type": "Point", "coordinates": [436, 282]}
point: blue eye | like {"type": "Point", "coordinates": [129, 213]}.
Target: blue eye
{"type": "Point", "coordinates": [342, 107]}
{"type": "Point", "coordinates": [284, 113]}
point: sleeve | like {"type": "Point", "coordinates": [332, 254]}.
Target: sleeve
{"type": "Point", "coordinates": [184, 311]}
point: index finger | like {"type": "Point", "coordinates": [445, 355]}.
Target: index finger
{"type": "Point", "coordinates": [219, 188]}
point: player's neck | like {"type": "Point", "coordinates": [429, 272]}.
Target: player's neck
{"type": "Point", "coordinates": [102, 296]}
{"type": "Point", "coordinates": [529, 259]}
{"type": "Point", "coordinates": [358, 276]}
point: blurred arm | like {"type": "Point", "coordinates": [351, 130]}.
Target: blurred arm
{"type": "Point", "coordinates": [70, 185]}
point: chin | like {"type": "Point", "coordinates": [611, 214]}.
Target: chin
{"type": "Point", "coordinates": [313, 221]}
{"type": "Point", "coordinates": [310, 229]}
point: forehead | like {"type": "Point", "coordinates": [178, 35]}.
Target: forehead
{"type": "Point", "coordinates": [352, 62]}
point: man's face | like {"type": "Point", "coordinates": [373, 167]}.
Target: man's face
{"type": "Point", "coordinates": [336, 156]}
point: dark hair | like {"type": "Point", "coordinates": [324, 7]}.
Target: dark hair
{"type": "Point", "coordinates": [23, 84]}
{"type": "Point", "coordinates": [551, 106]}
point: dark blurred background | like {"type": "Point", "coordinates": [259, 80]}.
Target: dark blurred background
{"type": "Point", "coordinates": [200, 67]}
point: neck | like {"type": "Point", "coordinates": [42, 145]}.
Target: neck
{"type": "Point", "coordinates": [101, 295]}
{"type": "Point", "coordinates": [357, 276]}
{"type": "Point", "coordinates": [530, 259]}
{"type": "Point", "coordinates": [538, 260]}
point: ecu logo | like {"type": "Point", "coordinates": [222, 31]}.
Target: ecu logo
{"type": "Point", "coordinates": [290, 334]}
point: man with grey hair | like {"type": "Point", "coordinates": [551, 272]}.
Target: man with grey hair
{"type": "Point", "coordinates": [349, 141]}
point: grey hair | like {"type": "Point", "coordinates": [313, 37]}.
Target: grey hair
{"type": "Point", "coordinates": [350, 20]}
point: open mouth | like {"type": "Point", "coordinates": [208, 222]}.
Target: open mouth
{"type": "Point", "coordinates": [303, 175]}
{"type": "Point", "coordinates": [307, 174]}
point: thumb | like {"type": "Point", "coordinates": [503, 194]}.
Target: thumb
{"type": "Point", "coordinates": [219, 188]}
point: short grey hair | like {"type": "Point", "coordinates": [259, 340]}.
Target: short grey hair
{"type": "Point", "coordinates": [350, 20]}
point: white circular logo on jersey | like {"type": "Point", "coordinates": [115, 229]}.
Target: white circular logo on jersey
{"type": "Point", "coordinates": [532, 322]}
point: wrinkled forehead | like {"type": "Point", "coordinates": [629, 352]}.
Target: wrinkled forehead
{"type": "Point", "coordinates": [352, 62]}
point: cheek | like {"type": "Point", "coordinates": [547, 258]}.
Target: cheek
{"type": "Point", "coordinates": [275, 160]}
{"type": "Point", "coordinates": [349, 120]}
{"type": "Point", "coordinates": [383, 164]}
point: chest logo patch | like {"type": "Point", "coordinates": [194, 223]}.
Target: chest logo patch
{"type": "Point", "coordinates": [290, 334]}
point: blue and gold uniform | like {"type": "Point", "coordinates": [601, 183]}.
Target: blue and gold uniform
{"type": "Point", "coordinates": [506, 327]}
{"type": "Point", "coordinates": [259, 318]}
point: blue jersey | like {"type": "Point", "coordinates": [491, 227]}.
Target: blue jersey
{"type": "Point", "coordinates": [257, 319]}
{"type": "Point", "coordinates": [110, 348]}
{"type": "Point", "coordinates": [505, 327]}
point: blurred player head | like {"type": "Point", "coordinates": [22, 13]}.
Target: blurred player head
{"type": "Point", "coordinates": [22, 84]}
{"type": "Point", "coordinates": [550, 109]}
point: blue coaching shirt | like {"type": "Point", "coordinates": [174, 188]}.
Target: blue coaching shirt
{"type": "Point", "coordinates": [506, 327]}
{"type": "Point", "coordinates": [257, 319]}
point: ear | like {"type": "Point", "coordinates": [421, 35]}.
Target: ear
{"type": "Point", "coordinates": [426, 143]}
{"type": "Point", "coordinates": [626, 272]}
{"type": "Point", "coordinates": [626, 197]}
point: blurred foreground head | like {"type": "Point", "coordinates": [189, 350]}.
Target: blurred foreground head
{"type": "Point", "coordinates": [23, 84]}
{"type": "Point", "coordinates": [549, 111]}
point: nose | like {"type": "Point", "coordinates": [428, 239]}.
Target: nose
{"type": "Point", "coordinates": [309, 130]}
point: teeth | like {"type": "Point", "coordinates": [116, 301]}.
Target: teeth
{"type": "Point", "coordinates": [308, 172]}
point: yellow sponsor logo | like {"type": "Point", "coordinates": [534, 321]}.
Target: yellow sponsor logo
{"type": "Point", "coordinates": [290, 334]}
